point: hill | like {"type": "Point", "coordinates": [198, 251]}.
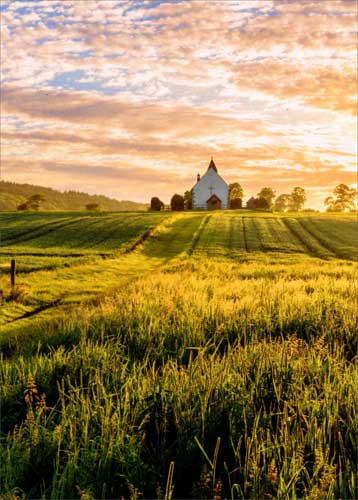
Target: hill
{"type": "Point", "coordinates": [13, 194]}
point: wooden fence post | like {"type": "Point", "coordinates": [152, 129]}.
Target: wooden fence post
{"type": "Point", "coordinates": [13, 272]}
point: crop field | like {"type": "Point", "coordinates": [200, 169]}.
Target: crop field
{"type": "Point", "coordinates": [187, 355]}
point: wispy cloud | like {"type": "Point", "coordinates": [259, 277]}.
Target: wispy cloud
{"type": "Point", "coordinates": [137, 95]}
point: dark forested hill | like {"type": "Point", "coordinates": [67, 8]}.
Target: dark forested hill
{"type": "Point", "coordinates": [13, 194]}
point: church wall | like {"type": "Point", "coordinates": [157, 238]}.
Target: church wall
{"type": "Point", "coordinates": [202, 192]}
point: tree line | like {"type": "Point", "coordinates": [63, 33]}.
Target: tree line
{"type": "Point", "coordinates": [34, 202]}
{"type": "Point", "coordinates": [16, 196]}
{"type": "Point", "coordinates": [342, 199]}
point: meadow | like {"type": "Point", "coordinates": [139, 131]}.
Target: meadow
{"type": "Point", "coordinates": [189, 355]}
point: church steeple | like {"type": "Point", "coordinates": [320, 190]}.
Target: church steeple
{"type": "Point", "coordinates": [212, 165]}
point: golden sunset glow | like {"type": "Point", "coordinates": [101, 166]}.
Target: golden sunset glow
{"type": "Point", "coordinates": [130, 99]}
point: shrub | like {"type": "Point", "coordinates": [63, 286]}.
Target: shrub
{"type": "Point", "coordinates": [262, 203]}
{"type": "Point", "coordinates": [156, 204]}
{"type": "Point", "coordinates": [236, 203]}
{"type": "Point", "coordinates": [92, 207]}
{"type": "Point", "coordinates": [23, 207]}
{"type": "Point", "coordinates": [177, 203]}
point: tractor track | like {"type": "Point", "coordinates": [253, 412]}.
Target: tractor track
{"type": "Point", "coordinates": [306, 246]}
{"type": "Point", "coordinates": [147, 234]}
{"type": "Point", "coordinates": [38, 310]}
{"type": "Point", "coordinates": [37, 232]}
{"type": "Point", "coordinates": [322, 242]}
{"type": "Point", "coordinates": [198, 234]}
{"type": "Point", "coordinates": [245, 235]}
{"type": "Point", "coordinates": [57, 301]}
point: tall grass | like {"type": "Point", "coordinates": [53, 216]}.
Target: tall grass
{"type": "Point", "coordinates": [209, 379]}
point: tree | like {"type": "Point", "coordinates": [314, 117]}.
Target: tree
{"type": "Point", "coordinates": [261, 203]}
{"type": "Point", "coordinates": [188, 200]}
{"type": "Point", "coordinates": [92, 207]}
{"type": "Point", "coordinates": [32, 203]}
{"type": "Point", "coordinates": [343, 199]}
{"type": "Point", "coordinates": [236, 194]}
{"type": "Point", "coordinates": [267, 194]}
{"type": "Point", "coordinates": [281, 202]}
{"type": "Point", "coordinates": [236, 203]}
{"type": "Point", "coordinates": [297, 199]}
{"type": "Point", "coordinates": [35, 200]}
{"type": "Point", "coordinates": [251, 203]}
{"type": "Point", "coordinates": [177, 203]}
{"type": "Point", "coordinates": [22, 207]}
{"type": "Point", "coordinates": [156, 204]}
{"type": "Point", "coordinates": [257, 203]}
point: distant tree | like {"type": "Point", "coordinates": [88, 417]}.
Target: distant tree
{"type": "Point", "coordinates": [236, 194]}
{"type": "Point", "coordinates": [257, 203]}
{"type": "Point", "coordinates": [262, 203]}
{"type": "Point", "coordinates": [236, 203]}
{"type": "Point", "coordinates": [36, 198]}
{"type": "Point", "coordinates": [251, 203]}
{"type": "Point", "coordinates": [266, 194]}
{"type": "Point", "coordinates": [32, 203]}
{"type": "Point", "coordinates": [281, 203]}
{"type": "Point", "coordinates": [297, 199]}
{"type": "Point", "coordinates": [188, 200]}
{"type": "Point", "coordinates": [177, 203]}
{"type": "Point", "coordinates": [156, 204]}
{"type": "Point", "coordinates": [92, 207]}
{"type": "Point", "coordinates": [343, 199]}
{"type": "Point", "coordinates": [22, 207]}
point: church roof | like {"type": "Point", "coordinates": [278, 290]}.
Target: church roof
{"type": "Point", "coordinates": [212, 165]}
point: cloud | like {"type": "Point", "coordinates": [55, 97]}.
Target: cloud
{"type": "Point", "coordinates": [109, 113]}
{"type": "Point", "coordinates": [321, 87]}
{"type": "Point", "coordinates": [267, 86]}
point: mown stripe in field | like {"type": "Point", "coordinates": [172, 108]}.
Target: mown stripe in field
{"type": "Point", "coordinates": [260, 233]}
{"type": "Point", "coordinates": [317, 237]}
{"type": "Point", "coordinates": [86, 233]}
{"type": "Point", "coordinates": [244, 234]}
{"type": "Point", "coordinates": [343, 229]}
{"type": "Point", "coordinates": [232, 235]}
{"type": "Point", "coordinates": [34, 232]}
{"type": "Point", "coordinates": [84, 282]}
{"type": "Point", "coordinates": [311, 245]}
{"type": "Point", "coordinates": [275, 237]}
{"type": "Point", "coordinates": [332, 245]}
{"type": "Point", "coordinates": [173, 237]}
{"type": "Point", "coordinates": [70, 234]}
{"type": "Point", "coordinates": [27, 264]}
{"type": "Point", "coordinates": [236, 235]}
{"type": "Point", "coordinates": [36, 311]}
{"type": "Point", "coordinates": [32, 253]}
{"type": "Point", "coordinates": [140, 241]}
{"type": "Point", "coordinates": [92, 234]}
{"type": "Point", "coordinates": [198, 235]}
{"type": "Point", "coordinates": [214, 239]}
{"type": "Point", "coordinates": [252, 235]}
{"type": "Point", "coordinates": [107, 232]}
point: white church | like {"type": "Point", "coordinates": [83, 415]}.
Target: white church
{"type": "Point", "coordinates": [211, 191]}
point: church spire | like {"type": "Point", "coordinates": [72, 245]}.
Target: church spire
{"type": "Point", "coordinates": [212, 165]}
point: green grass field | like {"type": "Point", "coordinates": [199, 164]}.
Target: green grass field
{"type": "Point", "coordinates": [188, 355]}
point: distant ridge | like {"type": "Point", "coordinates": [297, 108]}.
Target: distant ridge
{"type": "Point", "coordinates": [13, 194]}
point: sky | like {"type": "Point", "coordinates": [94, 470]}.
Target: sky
{"type": "Point", "coordinates": [132, 98]}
